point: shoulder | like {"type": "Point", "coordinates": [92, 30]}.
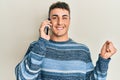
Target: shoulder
{"type": "Point", "coordinates": [39, 41]}
{"type": "Point", "coordinates": [83, 51]}
{"type": "Point", "coordinates": [80, 45]}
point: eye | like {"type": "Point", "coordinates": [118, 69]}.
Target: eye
{"type": "Point", "coordinates": [54, 17]}
{"type": "Point", "coordinates": [65, 18]}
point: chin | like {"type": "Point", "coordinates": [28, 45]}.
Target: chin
{"type": "Point", "coordinates": [60, 35]}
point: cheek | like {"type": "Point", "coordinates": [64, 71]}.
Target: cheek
{"type": "Point", "coordinates": [54, 24]}
{"type": "Point", "coordinates": [67, 24]}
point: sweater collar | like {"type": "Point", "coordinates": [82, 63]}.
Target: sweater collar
{"type": "Point", "coordinates": [62, 42]}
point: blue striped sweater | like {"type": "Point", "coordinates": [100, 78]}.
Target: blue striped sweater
{"type": "Point", "coordinates": [50, 60]}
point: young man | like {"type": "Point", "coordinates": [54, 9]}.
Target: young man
{"type": "Point", "coordinates": [57, 57]}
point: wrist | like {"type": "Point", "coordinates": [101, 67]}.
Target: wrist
{"type": "Point", "coordinates": [104, 56]}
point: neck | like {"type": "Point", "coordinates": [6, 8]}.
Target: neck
{"type": "Point", "coordinates": [59, 39]}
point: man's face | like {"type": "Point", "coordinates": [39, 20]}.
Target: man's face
{"type": "Point", "coordinates": [60, 19]}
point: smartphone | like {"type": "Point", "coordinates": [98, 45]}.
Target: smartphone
{"type": "Point", "coordinates": [47, 29]}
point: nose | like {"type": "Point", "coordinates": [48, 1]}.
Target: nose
{"type": "Point", "coordinates": [60, 21]}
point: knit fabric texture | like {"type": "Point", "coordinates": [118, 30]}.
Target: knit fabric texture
{"type": "Point", "coordinates": [68, 60]}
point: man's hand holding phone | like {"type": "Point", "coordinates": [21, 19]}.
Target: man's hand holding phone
{"type": "Point", "coordinates": [44, 29]}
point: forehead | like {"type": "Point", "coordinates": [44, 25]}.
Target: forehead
{"type": "Point", "coordinates": [59, 12]}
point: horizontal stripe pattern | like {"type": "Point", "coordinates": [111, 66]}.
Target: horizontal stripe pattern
{"type": "Point", "coordinates": [73, 66]}
{"type": "Point", "coordinates": [62, 76]}
{"type": "Point", "coordinates": [68, 55]}
{"type": "Point", "coordinates": [50, 60]}
{"type": "Point", "coordinates": [67, 46]}
{"type": "Point", "coordinates": [25, 73]}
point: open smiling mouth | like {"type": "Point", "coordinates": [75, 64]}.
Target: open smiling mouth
{"type": "Point", "coordinates": [59, 28]}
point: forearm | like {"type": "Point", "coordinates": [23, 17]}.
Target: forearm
{"type": "Point", "coordinates": [29, 68]}
{"type": "Point", "coordinates": [99, 72]}
{"type": "Point", "coordinates": [101, 68]}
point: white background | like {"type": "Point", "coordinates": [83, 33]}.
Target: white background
{"type": "Point", "coordinates": [92, 23]}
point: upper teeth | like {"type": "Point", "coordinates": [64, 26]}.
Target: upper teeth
{"type": "Point", "coordinates": [59, 28]}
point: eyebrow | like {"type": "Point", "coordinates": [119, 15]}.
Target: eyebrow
{"type": "Point", "coordinates": [62, 15]}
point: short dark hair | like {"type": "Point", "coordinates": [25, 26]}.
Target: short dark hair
{"type": "Point", "coordinates": [59, 4]}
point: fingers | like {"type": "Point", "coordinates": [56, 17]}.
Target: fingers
{"type": "Point", "coordinates": [108, 46]}
{"type": "Point", "coordinates": [108, 50]}
{"type": "Point", "coordinates": [42, 32]}
{"type": "Point", "coordinates": [104, 47]}
{"type": "Point", "coordinates": [44, 24]}
{"type": "Point", "coordinates": [111, 48]}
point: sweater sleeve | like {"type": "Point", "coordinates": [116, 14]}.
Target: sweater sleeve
{"type": "Point", "coordinates": [99, 72]}
{"type": "Point", "coordinates": [30, 67]}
